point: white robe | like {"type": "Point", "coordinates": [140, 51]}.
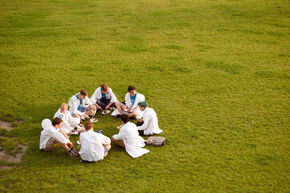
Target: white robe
{"type": "Point", "coordinates": [133, 142]}
{"type": "Point", "coordinates": [92, 148]}
{"type": "Point", "coordinates": [69, 122]}
{"type": "Point", "coordinates": [50, 131]}
{"type": "Point", "coordinates": [98, 95]}
{"type": "Point", "coordinates": [150, 125]}
{"type": "Point", "coordinates": [74, 104]}
{"type": "Point", "coordinates": [139, 98]}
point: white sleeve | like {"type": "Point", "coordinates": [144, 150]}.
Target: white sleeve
{"type": "Point", "coordinates": [145, 120]}
{"type": "Point", "coordinates": [121, 135]}
{"type": "Point", "coordinates": [75, 109]}
{"type": "Point", "coordinates": [94, 97]}
{"type": "Point", "coordinates": [127, 100]}
{"type": "Point", "coordinates": [103, 139]}
{"type": "Point", "coordinates": [59, 137]}
{"type": "Point", "coordinates": [113, 96]}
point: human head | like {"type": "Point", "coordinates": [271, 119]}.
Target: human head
{"type": "Point", "coordinates": [104, 88]}
{"type": "Point", "coordinates": [142, 105]}
{"type": "Point", "coordinates": [63, 107]}
{"type": "Point", "coordinates": [89, 126]}
{"type": "Point", "coordinates": [131, 90]}
{"type": "Point", "coordinates": [124, 118]}
{"type": "Point", "coordinates": [57, 122]}
{"type": "Point", "coordinates": [83, 94]}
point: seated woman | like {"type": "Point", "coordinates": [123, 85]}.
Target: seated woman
{"type": "Point", "coordinates": [69, 122]}
{"type": "Point", "coordinates": [94, 146]}
{"type": "Point", "coordinates": [128, 138]}
{"type": "Point", "coordinates": [51, 135]}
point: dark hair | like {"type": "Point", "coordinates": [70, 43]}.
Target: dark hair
{"type": "Point", "coordinates": [131, 88]}
{"type": "Point", "coordinates": [89, 125]}
{"type": "Point", "coordinates": [104, 87]}
{"type": "Point", "coordinates": [56, 121]}
{"type": "Point", "coordinates": [124, 118]}
{"type": "Point", "coordinates": [84, 92]}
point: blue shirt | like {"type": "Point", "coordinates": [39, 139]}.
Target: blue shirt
{"type": "Point", "coordinates": [104, 96]}
{"type": "Point", "coordinates": [81, 102]}
{"type": "Point", "coordinates": [133, 98]}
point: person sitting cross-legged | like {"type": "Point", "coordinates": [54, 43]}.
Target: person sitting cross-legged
{"type": "Point", "coordinates": [150, 121]}
{"type": "Point", "coordinates": [79, 105]}
{"type": "Point", "coordinates": [132, 98]}
{"type": "Point", "coordinates": [128, 138]}
{"type": "Point", "coordinates": [104, 98]}
{"type": "Point", "coordinates": [69, 122]}
{"type": "Point", "coordinates": [94, 146]}
{"type": "Point", "coordinates": [52, 134]}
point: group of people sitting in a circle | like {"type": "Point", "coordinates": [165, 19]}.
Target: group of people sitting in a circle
{"type": "Point", "coordinates": [94, 145]}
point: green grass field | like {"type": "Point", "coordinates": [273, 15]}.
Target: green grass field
{"type": "Point", "coordinates": [215, 71]}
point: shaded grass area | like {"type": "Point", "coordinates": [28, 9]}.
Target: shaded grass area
{"type": "Point", "coordinates": [216, 72]}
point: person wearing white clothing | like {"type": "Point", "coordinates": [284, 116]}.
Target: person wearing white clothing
{"type": "Point", "coordinates": [94, 146]}
{"type": "Point", "coordinates": [69, 122]}
{"type": "Point", "coordinates": [51, 135]}
{"type": "Point", "coordinates": [128, 137]}
{"type": "Point", "coordinates": [132, 98]}
{"type": "Point", "coordinates": [150, 121]}
{"type": "Point", "coordinates": [79, 104]}
{"type": "Point", "coordinates": [104, 98]}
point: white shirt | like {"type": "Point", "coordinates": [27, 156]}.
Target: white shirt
{"type": "Point", "coordinates": [92, 148]}
{"type": "Point", "coordinates": [75, 102]}
{"type": "Point", "coordinates": [69, 122]}
{"type": "Point", "coordinates": [50, 131]}
{"type": "Point", "coordinates": [133, 142]}
{"type": "Point", "coordinates": [98, 95]}
{"type": "Point", "coordinates": [139, 98]}
{"type": "Point", "coordinates": [150, 125]}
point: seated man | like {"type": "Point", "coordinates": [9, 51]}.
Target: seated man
{"type": "Point", "coordinates": [69, 122]}
{"type": "Point", "coordinates": [129, 138]}
{"type": "Point", "coordinates": [51, 135]}
{"type": "Point", "coordinates": [94, 146]}
{"type": "Point", "coordinates": [132, 98]}
{"type": "Point", "coordinates": [79, 105]}
{"type": "Point", "coordinates": [104, 98]}
{"type": "Point", "coordinates": [150, 121]}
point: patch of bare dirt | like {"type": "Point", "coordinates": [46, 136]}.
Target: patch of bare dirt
{"type": "Point", "coordinates": [8, 125]}
{"type": "Point", "coordinates": [15, 157]}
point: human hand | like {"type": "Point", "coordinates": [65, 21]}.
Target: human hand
{"type": "Point", "coordinates": [69, 144]}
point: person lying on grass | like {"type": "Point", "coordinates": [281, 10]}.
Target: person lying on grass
{"type": "Point", "coordinates": [52, 134]}
{"type": "Point", "coordinates": [150, 121]}
{"type": "Point", "coordinates": [94, 146]}
{"type": "Point", "coordinates": [132, 98]}
{"type": "Point", "coordinates": [128, 138]}
{"type": "Point", "coordinates": [69, 122]}
{"type": "Point", "coordinates": [104, 98]}
{"type": "Point", "coordinates": [80, 106]}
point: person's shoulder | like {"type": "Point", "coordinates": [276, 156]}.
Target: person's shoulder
{"type": "Point", "coordinates": [127, 94]}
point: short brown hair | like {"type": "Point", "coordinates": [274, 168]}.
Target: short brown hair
{"type": "Point", "coordinates": [56, 121]}
{"type": "Point", "coordinates": [104, 87]}
{"type": "Point", "coordinates": [124, 118]}
{"type": "Point", "coordinates": [89, 125]}
{"type": "Point", "coordinates": [131, 88]}
{"type": "Point", "coordinates": [84, 92]}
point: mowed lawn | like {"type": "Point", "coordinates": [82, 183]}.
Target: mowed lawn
{"type": "Point", "coordinates": [215, 71]}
